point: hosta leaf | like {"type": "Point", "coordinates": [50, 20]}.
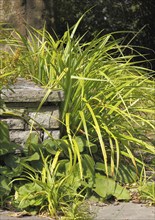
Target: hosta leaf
{"type": "Point", "coordinates": [33, 157]}
{"type": "Point", "coordinates": [12, 160]}
{"type": "Point", "coordinates": [33, 139]}
{"type": "Point", "coordinates": [80, 143]}
{"type": "Point", "coordinates": [6, 148]}
{"type": "Point", "coordinates": [12, 164]}
{"type": "Point", "coordinates": [63, 167]}
{"type": "Point", "coordinates": [107, 187]}
{"type": "Point", "coordinates": [26, 195]}
{"type": "Point", "coordinates": [100, 166]}
{"type": "Point", "coordinates": [73, 180]}
{"type": "Point", "coordinates": [38, 200]}
{"type": "Point", "coordinates": [5, 188]}
{"type": "Point", "coordinates": [64, 146]}
{"type": "Point", "coordinates": [4, 170]}
{"type": "Point", "coordinates": [50, 146]}
{"type": "Point", "coordinates": [93, 147]}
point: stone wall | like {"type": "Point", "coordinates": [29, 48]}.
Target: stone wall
{"type": "Point", "coordinates": [22, 115]}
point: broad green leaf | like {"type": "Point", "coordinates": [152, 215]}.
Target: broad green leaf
{"type": "Point", "coordinates": [100, 166]}
{"type": "Point", "coordinates": [4, 170]}
{"type": "Point", "coordinates": [63, 167]}
{"type": "Point", "coordinates": [11, 173]}
{"type": "Point", "coordinates": [27, 195]}
{"type": "Point", "coordinates": [28, 188]}
{"type": "Point", "coordinates": [33, 157]}
{"type": "Point", "coordinates": [33, 139]}
{"type": "Point", "coordinates": [6, 148]}
{"type": "Point", "coordinates": [93, 147]}
{"type": "Point", "coordinates": [12, 161]}
{"type": "Point", "coordinates": [80, 143]}
{"type": "Point", "coordinates": [5, 188]}
{"type": "Point", "coordinates": [13, 167]}
{"type": "Point", "coordinates": [107, 187]}
{"type": "Point", "coordinates": [50, 146]}
{"type": "Point", "coordinates": [64, 146]}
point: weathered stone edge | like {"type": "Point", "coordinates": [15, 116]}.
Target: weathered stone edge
{"type": "Point", "coordinates": [31, 95]}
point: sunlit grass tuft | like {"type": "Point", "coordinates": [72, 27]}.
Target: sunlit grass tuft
{"type": "Point", "coordinates": [109, 96]}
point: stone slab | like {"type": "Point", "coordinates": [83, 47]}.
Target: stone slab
{"type": "Point", "coordinates": [55, 134]}
{"type": "Point", "coordinates": [30, 95]}
{"type": "Point", "coordinates": [27, 91]}
{"type": "Point", "coordinates": [46, 117]}
{"type": "Point", "coordinates": [23, 95]}
{"type": "Point", "coordinates": [56, 96]}
{"type": "Point", "coordinates": [14, 123]}
{"type": "Point", "coordinates": [13, 112]}
{"type": "Point", "coordinates": [20, 137]}
{"type": "Point", "coordinates": [123, 211]}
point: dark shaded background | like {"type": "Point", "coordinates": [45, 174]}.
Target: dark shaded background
{"type": "Point", "coordinates": [106, 16]}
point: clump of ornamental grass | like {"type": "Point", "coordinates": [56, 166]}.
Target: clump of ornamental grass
{"type": "Point", "coordinates": [109, 96]}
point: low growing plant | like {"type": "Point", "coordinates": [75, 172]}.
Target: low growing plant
{"type": "Point", "coordinates": [11, 163]}
{"type": "Point", "coordinates": [47, 190]}
{"type": "Point", "coordinates": [54, 185]}
{"type": "Point", "coordinates": [147, 192]}
{"type": "Point", "coordinates": [146, 188]}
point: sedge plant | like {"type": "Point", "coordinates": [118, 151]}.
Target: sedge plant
{"type": "Point", "coordinates": [109, 95]}
{"type": "Point", "coordinates": [48, 189]}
